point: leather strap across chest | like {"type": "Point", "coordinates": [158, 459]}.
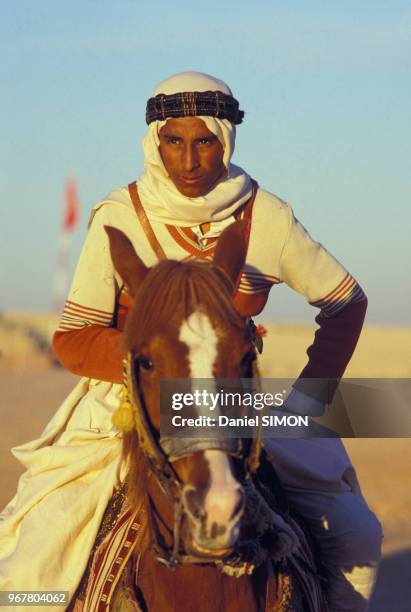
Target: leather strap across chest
{"type": "Point", "coordinates": [246, 210]}
{"type": "Point", "coordinates": [145, 223]}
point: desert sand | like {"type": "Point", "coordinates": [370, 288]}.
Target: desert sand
{"type": "Point", "coordinates": [32, 389]}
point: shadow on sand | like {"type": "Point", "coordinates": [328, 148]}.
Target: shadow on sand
{"type": "Point", "coordinates": [393, 588]}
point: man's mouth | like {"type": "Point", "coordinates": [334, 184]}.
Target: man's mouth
{"type": "Point", "coordinates": [191, 180]}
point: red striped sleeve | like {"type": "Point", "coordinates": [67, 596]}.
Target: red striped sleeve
{"type": "Point", "coordinates": [347, 291]}
{"type": "Point", "coordinates": [77, 316]}
{"type": "Point", "coordinates": [255, 282]}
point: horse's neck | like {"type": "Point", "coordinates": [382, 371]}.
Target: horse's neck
{"type": "Point", "coordinates": [200, 588]}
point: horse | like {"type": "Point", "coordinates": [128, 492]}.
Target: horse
{"type": "Point", "coordinates": [212, 539]}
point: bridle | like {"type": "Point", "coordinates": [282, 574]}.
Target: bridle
{"type": "Point", "coordinates": [165, 474]}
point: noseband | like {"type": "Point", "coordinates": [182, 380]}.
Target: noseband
{"type": "Point", "coordinates": [133, 405]}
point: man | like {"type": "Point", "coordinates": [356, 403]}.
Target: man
{"type": "Point", "coordinates": [188, 193]}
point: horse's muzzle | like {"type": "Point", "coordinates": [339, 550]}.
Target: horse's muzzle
{"type": "Point", "coordinates": [214, 517]}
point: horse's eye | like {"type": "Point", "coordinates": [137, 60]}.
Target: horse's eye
{"type": "Point", "coordinates": [145, 362]}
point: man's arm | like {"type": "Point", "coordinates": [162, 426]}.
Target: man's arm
{"type": "Point", "coordinates": [335, 341]}
{"type": "Point", "coordinates": [95, 352]}
{"type": "Point", "coordinates": [308, 268]}
{"type": "Point", "coordinates": [86, 342]}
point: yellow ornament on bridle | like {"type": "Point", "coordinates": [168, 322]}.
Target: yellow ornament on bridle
{"type": "Point", "coordinates": [124, 418]}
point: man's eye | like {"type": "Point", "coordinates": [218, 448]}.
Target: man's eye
{"type": "Point", "coordinates": [204, 141]}
{"type": "Point", "coordinates": [173, 140]}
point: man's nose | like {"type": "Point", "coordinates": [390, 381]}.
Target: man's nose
{"type": "Point", "coordinates": [190, 158]}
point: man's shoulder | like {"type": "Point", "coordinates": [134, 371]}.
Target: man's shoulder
{"type": "Point", "coordinates": [114, 203]}
{"type": "Point", "coordinates": [117, 197]}
{"type": "Point", "coordinates": [270, 228]}
{"type": "Point", "coordinates": [269, 206]}
{"type": "Point", "coordinates": [271, 201]}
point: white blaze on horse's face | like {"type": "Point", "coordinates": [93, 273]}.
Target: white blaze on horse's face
{"type": "Point", "coordinates": [224, 503]}
{"type": "Point", "coordinates": [224, 500]}
{"type": "Point", "coordinates": [201, 340]}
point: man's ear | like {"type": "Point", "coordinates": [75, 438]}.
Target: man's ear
{"type": "Point", "coordinates": [231, 250]}
{"type": "Point", "coordinates": [126, 261]}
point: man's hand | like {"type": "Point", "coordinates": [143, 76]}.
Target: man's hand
{"type": "Point", "coordinates": [302, 404]}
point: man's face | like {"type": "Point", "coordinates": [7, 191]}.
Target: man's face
{"type": "Point", "coordinates": [192, 155]}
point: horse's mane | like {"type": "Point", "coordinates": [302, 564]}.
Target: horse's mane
{"type": "Point", "coordinates": [174, 289]}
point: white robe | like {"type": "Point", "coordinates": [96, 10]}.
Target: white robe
{"type": "Point", "coordinates": [48, 529]}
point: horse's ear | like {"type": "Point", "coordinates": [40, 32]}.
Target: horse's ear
{"type": "Point", "coordinates": [231, 250]}
{"type": "Point", "coordinates": [126, 261]}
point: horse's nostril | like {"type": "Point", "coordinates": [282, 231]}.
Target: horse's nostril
{"type": "Point", "coordinates": [193, 502]}
{"type": "Point", "coordinates": [217, 530]}
{"type": "Point", "coordinates": [239, 507]}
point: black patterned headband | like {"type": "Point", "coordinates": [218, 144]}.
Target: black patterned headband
{"type": "Point", "coordinates": [192, 104]}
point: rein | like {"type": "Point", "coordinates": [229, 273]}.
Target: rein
{"type": "Point", "coordinates": [132, 414]}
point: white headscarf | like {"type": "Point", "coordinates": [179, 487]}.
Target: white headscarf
{"type": "Point", "coordinates": [160, 197]}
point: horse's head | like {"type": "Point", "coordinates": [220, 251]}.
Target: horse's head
{"type": "Point", "coordinates": [183, 325]}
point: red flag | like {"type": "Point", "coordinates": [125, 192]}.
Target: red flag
{"type": "Point", "coordinates": [71, 210]}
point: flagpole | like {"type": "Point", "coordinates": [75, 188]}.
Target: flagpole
{"type": "Point", "coordinates": [70, 219]}
{"type": "Point", "coordinates": [61, 272]}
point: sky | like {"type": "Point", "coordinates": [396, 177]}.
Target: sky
{"type": "Point", "coordinates": [325, 86]}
